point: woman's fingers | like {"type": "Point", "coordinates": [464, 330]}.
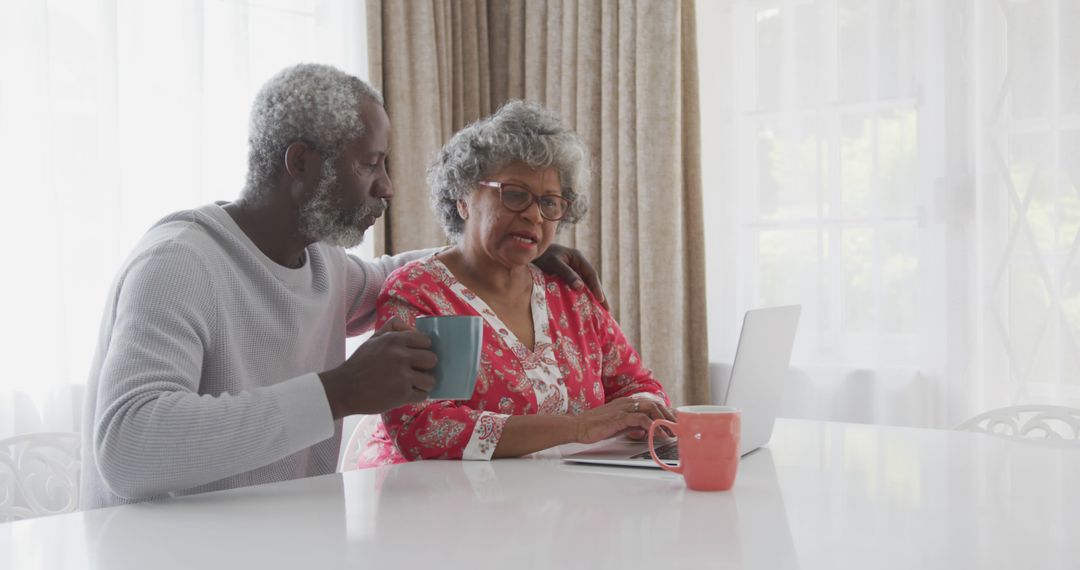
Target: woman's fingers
{"type": "Point", "coordinates": [654, 409]}
{"type": "Point", "coordinates": [632, 417]}
{"type": "Point", "coordinates": [641, 419]}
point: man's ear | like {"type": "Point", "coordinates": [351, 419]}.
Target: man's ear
{"type": "Point", "coordinates": [301, 165]}
{"type": "Point", "coordinates": [296, 160]}
{"type": "Point", "coordinates": [463, 209]}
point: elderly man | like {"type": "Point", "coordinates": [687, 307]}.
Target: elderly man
{"type": "Point", "coordinates": [221, 358]}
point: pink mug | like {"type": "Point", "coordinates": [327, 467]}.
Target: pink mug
{"type": "Point", "coordinates": [708, 445]}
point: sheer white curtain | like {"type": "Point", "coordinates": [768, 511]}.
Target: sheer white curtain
{"type": "Point", "coordinates": [908, 171]}
{"type": "Point", "coordinates": [112, 114]}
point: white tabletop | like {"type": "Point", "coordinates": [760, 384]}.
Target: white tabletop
{"type": "Point", "coordinates": [822, 495]}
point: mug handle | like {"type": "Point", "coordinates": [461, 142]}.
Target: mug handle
{"type": "Point", "coordinates": [652, 450]}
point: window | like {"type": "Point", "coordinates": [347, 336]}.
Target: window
{"type": "Point", "coordinates": [902, 169]}
{"type": "Point", "coordinates": [1028, 209]}
{"type": "Point", "coordinates": [115, 114]}
{"type": "Point", "coordinates": [833, 215]}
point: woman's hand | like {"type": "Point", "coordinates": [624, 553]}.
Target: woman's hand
{"type": "Point", "coordinates": [624, 415]}
{"type": "Point", "coordinates": [569, 265]}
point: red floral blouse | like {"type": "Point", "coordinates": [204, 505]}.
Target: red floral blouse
{"type": "Point", "coordinates": [580, 360]}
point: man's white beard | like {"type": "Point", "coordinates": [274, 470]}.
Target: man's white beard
{"type": "Point", "coordinates": [322, 219]}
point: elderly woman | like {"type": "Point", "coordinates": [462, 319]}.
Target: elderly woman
{"type": "Point", "coordinates": [555, 367]}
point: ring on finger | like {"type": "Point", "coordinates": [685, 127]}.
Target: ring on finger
{"type": "Point", "coordinates": [637, 406]}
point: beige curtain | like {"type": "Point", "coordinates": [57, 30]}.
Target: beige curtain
{"type": "Point", "coordinates": [624, 75]}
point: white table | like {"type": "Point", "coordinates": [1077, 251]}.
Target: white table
{"type": "Point", "coordinates": [822, 495]}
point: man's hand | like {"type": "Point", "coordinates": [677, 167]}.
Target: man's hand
{"type": "Point", "coordinates": [391, 369]}
{"type": "Point", "coordinates": [568, 264]}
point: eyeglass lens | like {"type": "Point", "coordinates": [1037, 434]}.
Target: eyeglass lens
{"type": "Point", "coordinates": [517, 199]}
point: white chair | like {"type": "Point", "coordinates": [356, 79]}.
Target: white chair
{"type": "Point", "coordinates": [350, 454]}
{"type": "Point", "coordinates": [39, 475]}
{"type": "Point", "coordinates": [1032, 422]}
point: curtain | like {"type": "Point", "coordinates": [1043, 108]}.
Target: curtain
{"type": "Point", "coordinates": [624, 75]}
{"type": "Point", "coordinates": [906, 170]}
{"type": "Point", "coordinates": [426, 57]}
{"type": "Point", "coordinates": [113, 115]}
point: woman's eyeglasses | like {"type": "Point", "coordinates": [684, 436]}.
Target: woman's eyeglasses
{"type": "Point", "coordinates": [518, 199]}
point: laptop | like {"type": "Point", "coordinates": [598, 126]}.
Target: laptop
{"type": "Point", "coordinates": [755, 387]}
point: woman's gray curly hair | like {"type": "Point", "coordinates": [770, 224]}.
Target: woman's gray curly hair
{"type": "Point", "coordinates": [310, 102]}
{"type": "Point", "coordinates": [518, 131]}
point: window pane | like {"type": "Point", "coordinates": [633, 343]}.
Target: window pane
{"type": "Point", "coordinates": [1068, 227]}
{"type": "Point", "coordinates": [855, 27]}
{"type": "Point", "coordinates": [1069, 58]}
{"type": "Point", "coordinates": [1069, 192]}
{"type": "Point", "coordinates": [1028, 300]}
{"type": "Point", "coordinates": [278, 35]}
{"type": "Point", "coordinates": [1030, 56]}
{"type": "Point", "coordinates": [787, 172]}
{"type": "Point", "coordinates": [1070, 309]}
{"type": "Point", "coordinates": [770, 58]}
{"type": "Point", "coordinates": [856, 165]}
{"type": "Point", "coordinates": [857, 256]}
{"type": "Point", "coordinates": [898, 166]}
{"type": "Point", "coordinates": [1032, 233]}
{"type": "Point", "coordinates": [809, 77]}
{"type": "Point", "coordinates": [897, 49]}
{"type": "Point", "coordinates": [787, 266]}
{"type": "Point", "coordinates": [1031, 171]}
{"type": "Point", "coordinates": [899, 283]}
{"type": "Point", "coordinates": [155, 70]}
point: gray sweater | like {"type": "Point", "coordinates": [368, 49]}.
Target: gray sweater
{"type": "Point", "coordinates": [205, 376]}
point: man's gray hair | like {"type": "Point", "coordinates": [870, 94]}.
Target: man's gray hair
{"type": "Point", "coordinates": [308, 102]}
{"type": "Point", "coordinates": [519, 131]}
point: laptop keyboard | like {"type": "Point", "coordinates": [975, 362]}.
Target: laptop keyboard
{"type": "Point", "coordinates": [668, 451]}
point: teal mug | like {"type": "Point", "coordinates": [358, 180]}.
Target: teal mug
{"type": "Point", "coordinates": [456, 340]}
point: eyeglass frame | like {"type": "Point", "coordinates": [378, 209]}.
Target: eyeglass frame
{"type": "Point", "coordinates": [535, 199]}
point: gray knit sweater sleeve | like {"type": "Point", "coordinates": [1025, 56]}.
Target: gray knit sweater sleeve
{"type": "Point", "coordinates": [154, 432]}
{"type": "Point", "coordinates": [206, 371]}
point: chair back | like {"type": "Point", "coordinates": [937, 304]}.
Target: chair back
{"type": "Point", "coordinates": [365, 428]}
{"type": "Point", "coordinates": [1056, 423]}
{"type": "Point", "coordinates": [39, 475]}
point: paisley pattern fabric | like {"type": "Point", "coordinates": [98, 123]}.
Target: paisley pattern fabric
{"type": "Point", "coordinates": [579, 360]}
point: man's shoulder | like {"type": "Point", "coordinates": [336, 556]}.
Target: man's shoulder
{"type": "Point", "coordinates": [197, 232]}
{"type": "Point", "coordinates": [184, 226]}
{"type": "Point", "coordinates": [181, 245]}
